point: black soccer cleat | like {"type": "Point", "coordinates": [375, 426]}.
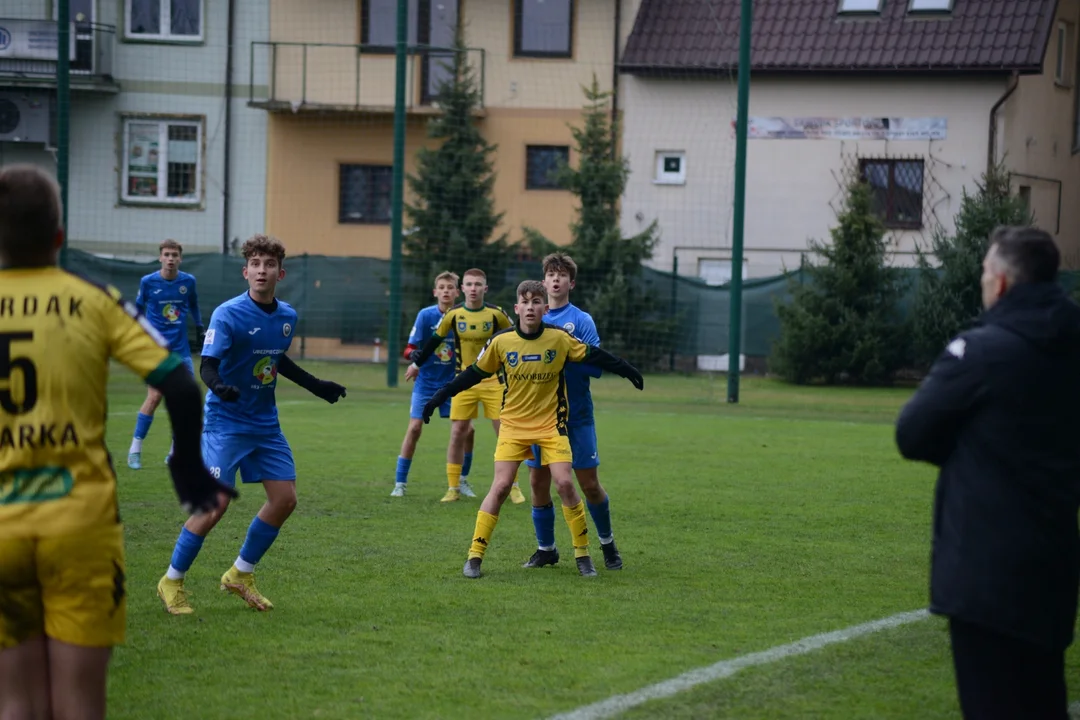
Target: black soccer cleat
{"type": "Point", "coordinates": [472, 568]}
{"type": "Point", "coordinates": [586, 567]}
{"type": "Point", "coordinates": [612, 558]}
{"type": "Point", "coordinates": [540, 558]}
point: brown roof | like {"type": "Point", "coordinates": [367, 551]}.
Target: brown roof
{"type": "Point", "coordinates": [811, 35]}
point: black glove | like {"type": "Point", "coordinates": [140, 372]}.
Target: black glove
{"type": "Point", "coordinates": [197, 489]}
{"type": "Point", "coordinates": [329, 391]}
{"type": "Point", "coordinates": [413, 355]}
{"type": "Point", "coordinates": [432, 405]}
{"type": "Point", "coordinates": [228, 393]}
{"type": "Point", "coordinates": [200, 333]}
{"type": "Point", "coordinates": [632, 374]}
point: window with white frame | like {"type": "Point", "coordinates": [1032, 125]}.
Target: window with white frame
{"type": "Point", "coordinates": [930, 6]}
{"type": "Point", "coordinates": [670, 167]}
{"type": "Point", "coordinates": [172, 20]}
{"type": "Point", "coordinates": [860, 6]}
{"type": "Point", "coordinates": [163, 161]}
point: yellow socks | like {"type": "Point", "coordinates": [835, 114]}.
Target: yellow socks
{"type": "Point", "coordinates": [579, 529]}
{"type": "Point", "coordinates": [453, 475]}
{"type": "Point", "coordinates": [485, 526]}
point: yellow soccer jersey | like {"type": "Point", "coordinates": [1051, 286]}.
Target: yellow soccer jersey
{"type": "Point", "coordinates": [534, 404]}
{"type": "Point", "coordinates": [471, 329]}
{"type": "Point", "coordinates": [57, 334]}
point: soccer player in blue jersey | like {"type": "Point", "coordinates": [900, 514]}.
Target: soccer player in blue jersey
{"type": "Point", "coordinates": [243, 354]}
{"type": "Point", "coordinates": [435, 372]}
{"type": "Point", "coordinates": [560, 275]}
{"type": "Point", "coordinates": [167, 297]}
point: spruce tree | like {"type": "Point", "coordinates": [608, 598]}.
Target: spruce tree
{"type": "Point", "coordinates": [948, 297]}
{"type": "Point", "coordinates": [844, 324]}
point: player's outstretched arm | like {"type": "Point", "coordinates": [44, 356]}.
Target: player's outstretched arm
{"type": "Point", "coordinates": [419, 357]}
{"type": "Point", "coordinates": [210, 372]}
{"type": "Point", "coordinates": [465, 380]}
{"type": "Point", "coordinates": [329, 391]}
{"type": "Point", "coordinates": [195, 486]}
{"type": "Point", "coordinates": [605, 360]}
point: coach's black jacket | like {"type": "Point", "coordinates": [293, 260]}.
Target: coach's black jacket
{"type": "Point", "coordinates": [1000, 414]}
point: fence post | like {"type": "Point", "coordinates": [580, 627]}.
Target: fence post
{"type": "Point", "coordinates": [304, 280]}
{"type": "Point", "coordinates": [674, 309]}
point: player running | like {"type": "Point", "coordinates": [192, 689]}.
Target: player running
{"type": "Point", "coordinates": [166, 297]}
{"type": "Point", "coordinates": [242, 356]}
{"type": "Point", "coordinates": [533, 357]}
{"type": "Point", "coordinates": [63, 595]}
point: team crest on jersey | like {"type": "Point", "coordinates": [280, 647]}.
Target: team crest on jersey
{"type": "Point", "coordinates": [265, 370]}
{"type": "Point", "coordinates": [286, 329]}
{"type": "Point", "coordinates": [171, 312]}
{"type": "Point", "coordinates": [462, 326]}
{"type": "Point", "coordinates": [183, 289]}
{"type": "Point", "coordinates": [549, 356]}
{"type": "Point", "coordinates": [444, 353]}
{"type": "Point", "coordinates": [569, 327]}
{"type": "Point", "coordinates": [512, 359]}
{"type": "Point", "coordinates": [487, 327]}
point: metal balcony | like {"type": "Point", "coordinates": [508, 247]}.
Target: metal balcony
{"type": "Point", "coordinates": [326, 77]}
{"type": "Point", "coordinates": [28, 55]}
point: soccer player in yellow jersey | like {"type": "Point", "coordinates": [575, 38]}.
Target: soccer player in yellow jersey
{"type": "Point", "coordinates": [470, 325]}
{"type": "Point", "coordinates": [62, 582]}
{"type": "Point", "coordinates": [533, 357]}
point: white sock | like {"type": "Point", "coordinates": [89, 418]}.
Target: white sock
{"type": "Point", "coordinates": [243, 565]}
{"type": "Point", "coordinates": [547, 548]}
{"type": "Point", "coordinates": [608, 540]}
{"type": "Point", "coordinates": [136, 446]}
{"type": "Point", "coordinates": [171, 446]}
{"type": "Point", "coordinates": [174, 574]}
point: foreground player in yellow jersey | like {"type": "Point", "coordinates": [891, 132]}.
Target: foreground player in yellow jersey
{"type": "Point", "coordinates": [533, 356]}
{"type": "Point", "coordinates": [62, 583]}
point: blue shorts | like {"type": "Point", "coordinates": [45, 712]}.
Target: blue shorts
{"type": "Point", "coordinates": [258, 457]}
{"type": "Point", "coordinates": [420, 395]}
{"type": "Point", "coordinates": [582, 445]}
{"type": "Point", "coordinates": [189, 364]}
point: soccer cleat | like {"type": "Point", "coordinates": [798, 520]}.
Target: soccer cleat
{"type": "Point", "coordinates": [540, 558]}
{"type": "Point", "coordinates": [516, 496]}
{"type": "Point", "coordinates": [472, 568]}
{"type": "Point", "coordinates": [135, 461]}
{"type": "Point", "coordinates": [452, 494]}
{"type": "Point", "coordinates": [466, 488]}
{"type": "Point", "coordinates": [173, 594]}
{"type": "Point", "coordinates": [242, 585]}
{"type": "Point", "coordinates": [585, 566]}
{"type": "Point", "coordinates": [612, 558]}
{"type": "Point", "coordinates": [398, 491]}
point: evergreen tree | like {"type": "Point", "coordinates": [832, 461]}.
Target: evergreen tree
{"type": "Point", "coordinates": [844, 324]}
{"type": "Point", "coordinates": [609, 265]}
{"type": "Point", "coordinates": [948, 297]}
{"type": "Point", "coordinates": [452, 214]}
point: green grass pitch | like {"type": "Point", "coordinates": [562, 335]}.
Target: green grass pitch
{"type": "Point", "coordinates": [742, 528]}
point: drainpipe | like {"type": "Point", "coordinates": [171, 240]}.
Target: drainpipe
{"type": "Point", "coordinates": [1014, 82]}
{"type": "Point", "coordinates": [226, 184]}
{"type": "Point", "coordinates": [615, 80]}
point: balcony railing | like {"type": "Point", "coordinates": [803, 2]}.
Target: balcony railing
{"type": "Point", "coordinates": [325, 76]}
{"type": "Point", "coordinates": [28, 53]}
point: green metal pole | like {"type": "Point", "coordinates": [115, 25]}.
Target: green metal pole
{"type": "Point", "coordinates": [398, 197]}
{"type": "Point", "coordinates": [63, 111]}
{"type": "Point", "coordinates": [739, 222]}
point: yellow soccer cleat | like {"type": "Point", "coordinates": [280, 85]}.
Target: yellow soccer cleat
{"type": "Point", "coordinates": [242, 585]}
{"type": "Point", "coordinates": [451, 495]}
{"type": "Point", "coordinates": [516, 496]}
{"type": "Point", "coordinates": [173, 594]}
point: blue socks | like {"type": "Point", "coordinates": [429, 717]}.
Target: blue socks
{"type": "Point", "coordinates": [402, 474]}
{"type": "Point", "coordinates": [142, 426]}
{"type": "Point", "coordinates": [260, 536]}
{"type": "Point", "coordinates": [544, 523]}
{"type": "Point", "coordinates": [186, 550]}
{"type": "Point", "coordinates": [467, 465]}
{"type": "Point", "coordinates": [601, 515]}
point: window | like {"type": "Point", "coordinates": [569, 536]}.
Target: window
{"type": "Point", "coordinates": [163, 161]}
{"type": "Point", "coordinates": [365, 194]}
{"type": "Point", "coordinates": [177, 20]}
{"type": "Point", "coordinates": [1025, 197]}
{"type": "Point", "coordinates": [860, 6]}
{"type": "Point", "coordinates": [897, 187]}
{"type": "Point", "coordinates": [941, 6]}
{"type": "Point", "coordinates": [714, 272]}
{"type": "Point", "coordinates": [1061, 58]}
{"type": "Point", "coordinates": [543, 28]}
{"type": "Point", "coordinates": [378, 23]}
{"type": "Point", "coordinates": [541, 162]}
{"type": "Point", "coordinates": [670, 167]}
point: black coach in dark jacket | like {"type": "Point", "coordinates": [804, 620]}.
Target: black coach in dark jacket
{"type": "Point", "coordinates": [999, 413]}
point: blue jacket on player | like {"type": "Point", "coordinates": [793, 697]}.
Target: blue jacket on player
{"type": "Point", "coordinates": [580, 324]}
{"type": "Point", "coordinates": [438, 369]}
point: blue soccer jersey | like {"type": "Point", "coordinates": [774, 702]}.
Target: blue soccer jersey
{"type": "Point", "coordinates": [167, 304]}
{"type": "Point", "coordinates": [580, 324]}
{"type": "Point", "coordinates": [439, 368]}
{"type": "Point", "coordinates": [249, 342]}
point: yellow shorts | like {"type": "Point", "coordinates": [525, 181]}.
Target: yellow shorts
{"type": "Point", "coordinates": [464, 405]}
{"type": "Point", "coordinates": [69, 587]}
{"type": "Point", "coordinates": [552, 450]}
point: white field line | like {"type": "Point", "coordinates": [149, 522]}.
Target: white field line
{"type": "Point", "coordinates": [726, 668]}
